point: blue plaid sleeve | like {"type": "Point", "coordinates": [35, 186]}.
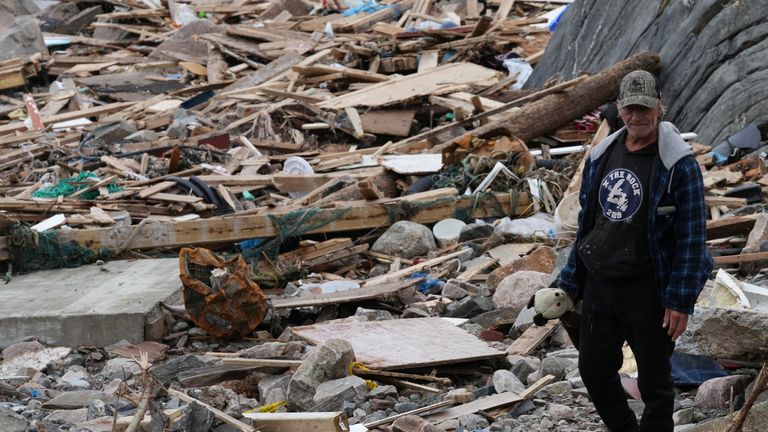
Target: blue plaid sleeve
{"type": "Point", "coordinates": [567, 280]}
{"type": "Point", "coordinates": [692, 263]}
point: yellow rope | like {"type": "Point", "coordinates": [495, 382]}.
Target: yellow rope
{"type": "Point", "coordinates": [371, 385]}
{"type": "Point", "coordinates": [266, 408]}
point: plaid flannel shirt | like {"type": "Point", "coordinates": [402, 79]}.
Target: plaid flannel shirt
{"type": "Point", "coordinates": [676, 233]}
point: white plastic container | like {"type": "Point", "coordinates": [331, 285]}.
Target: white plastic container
{"type": "Point", "coordinates": [447, 231]}
{"type": "Point", "coordinates": [567, 212]}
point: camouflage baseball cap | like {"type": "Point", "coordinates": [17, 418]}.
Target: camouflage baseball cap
{"type": "Point", "coordinates": [639, 88]}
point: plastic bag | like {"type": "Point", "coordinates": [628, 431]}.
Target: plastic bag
{"type": "Point", "coordinates": [218, 295]}
{"type": "Point", "coordinates": [521, 68]}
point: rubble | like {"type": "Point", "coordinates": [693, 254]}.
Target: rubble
{"type": "Point", "coordinates": [226, 212]}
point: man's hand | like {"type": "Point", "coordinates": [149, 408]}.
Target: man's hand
{"type": "Point", "coordinates": [675, 322]}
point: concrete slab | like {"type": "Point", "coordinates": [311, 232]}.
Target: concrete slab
{"type": "Point", "coordinates": [97, 305]}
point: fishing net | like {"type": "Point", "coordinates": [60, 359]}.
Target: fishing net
{"type": "Point", "coordinates": [68, 186]}
{"type": "Point", "coordinates": [30, 250]}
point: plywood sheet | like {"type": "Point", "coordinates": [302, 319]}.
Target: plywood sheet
{"type": "Point", "coordinates": [403, 343]}
{"type": "Point", "coordinates": [442, 79]}
{"type": "Point", "coordinates": [413, 164]}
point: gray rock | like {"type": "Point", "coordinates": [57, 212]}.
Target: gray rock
{"type": "Point", "coordinates": [683, 416]}
{"type": "Point", "coordinates": [373, 314]}
{"type": "Point", "coordinates": [726, 333]}
{"type": "Point", "coordinates": [516, 289]}
{"type": "Point", "coordinates": [405, 239]}
{"type": "Point", "coordinates": [121, 368]}
{"type": "Point", "coordinates": [704, 90]}
{"type": "Point", "coordinates": [10, 422]}
{"type": "Point", "coordinates": [19, 7]}
{"type": "Point", "coordinates": [20, 348]}
{"type": "Point", "coordinates": [63, 417]}
{"type": "Point", "coordinates": [473, 421]}
{"type": "Point", "coordinates": [330, 395]}
{"type": "Point", "coordinates": [290, 350]}
{"type": "Point", "coordinates": [413, 423]}
{"type": "Point", "coordinates": [559, 412]}
{"type": "Point", "coordinates": [327, 362]}
{"type": "Point", "coordinates": [143, 136]}
{"type": "Point", "coordinates": [272, 382]}
{"type": "Point", "coordinates": [505, 381]}
{"type": "Point", "coordinates": [716, 392]}
{"type": "Point", "coordinates": [383, 391]}
{"type": "Point", "coordinates": [557, 366]}
{"type": "Point", "coordinates": [195, 418]}
{"type": "Point", "coordinates": [560, 388]}
{"type": "Point", "coordinates": [412, 312]}
{"type": "Point", "coordinates": [404, 407]}
{"type": "Point", "coordinates": [453, 290]}
{"type": "Point", "coordinates": [73, 399]}
{"type": "Point", "coordinates": [97, 408]}
{"type": "Point", "coordinates": [581, 391]}
{"type": "Point", "coordinates": [21, 38]}
{"type": "Point", "coordinates": [522, 366]}
{"type": "Point", "coordinates": [76, 376]}
{"type": "Point", "coordinates": [469, 307]}
{"type": "Point", "coordinates": [524, 320]}
{"type": "Point", "coordinates": [168, 371]}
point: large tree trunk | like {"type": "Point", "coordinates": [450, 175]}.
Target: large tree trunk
{"type": "Point", "coordinates": [713, 55]}
{"type": "Point", "coordinates": [558, 109]}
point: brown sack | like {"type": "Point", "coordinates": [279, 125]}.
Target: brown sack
{"type": "Point", "coordinates": [226, 305]}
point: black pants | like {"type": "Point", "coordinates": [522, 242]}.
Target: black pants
{"type": "Point", "coordinates": [611, 314]}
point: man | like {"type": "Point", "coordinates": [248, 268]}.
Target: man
{"type": "Point", "coordinates": [639, 260]}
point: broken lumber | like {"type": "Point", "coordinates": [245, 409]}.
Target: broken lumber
{"type": "Point", "coordinates": [299, 421]}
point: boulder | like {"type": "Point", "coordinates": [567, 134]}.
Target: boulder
{"type": "Point", "coordinates": [19, 7]}
{"type": "Point", "coordinates": [716, 392]}
{"type": "Point", "coordinates": [12, 422]}
{"type": "Point", "coordinates": [405, 239]}
{"type": "Point", "coordinates": [557, 366]}
{"type": "Point", "coordinates": [194, 418]}
{"type": "Point", "coordinates": [327, 362]}
{"type": "Point", "coordinates": [523, 366]}
{"type": "Point", "coordinates": [705, 89]}
{"type": "Point", "coordinates": [121, 368]}
{"type": "Point", "coordinates": [270, 383]}
{"type": "Point", "coordinates": [516, 290]}
{"type": "Point", "coordinates": [505, 381]}
{"type": "Point", "coordinates": [740, 334]}
{"type": "Point", "coordinates": [453, 290]}
{"type": "Point", "coordinates": [20, 348]}
{"type": "Point", "coordinates": [540, 260]}
{"type": "Point", "coordinates": [560, 388]}
{"type": "Point", "coordinates": [330, 395]}
{"type": "Point", "coordinates": [21, 38]}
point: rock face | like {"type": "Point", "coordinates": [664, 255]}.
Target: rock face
{"type": "Point", "coordinates": [516, 290]}
{"type": "Point", "coordinates": [541, 260]}
{"type": "Point", "coordinates": [713, 56]}
{"type": "Point", "coordinates": [406, 240]}
{"type": "Point", "coordinates": [726, 333]}
{"type": "Point", "coordinates": [327, 362]}
{"type": "Point", "coordinates": [716, 393]}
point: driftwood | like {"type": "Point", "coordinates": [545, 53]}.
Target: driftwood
{"type": "Point", "coordinates": [556, 110]}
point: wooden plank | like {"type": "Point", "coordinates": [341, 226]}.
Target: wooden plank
{"type": "Point", "coordinates": [532, 338]}
{"type": "Point", "coordinates": [439, 80]}
{"type": "Point", "coordinates": [386, 278]}
{"type": "Point", "coordinates": [269, 71]}
{"type": "Point", "coordinates": [417, 411]}
{"type": "Point", "coordinates": [402, 344]}
{"type": "Point", "coordinates": [156, 188]}
{"type": "Point", "coordinates": [237, 361]}
{"type": "Point", "coordinates": [357, 74]}
{"type": "Point", "coordinates": [389, 122]}
{"type": "Point", "coordinates": [356, 216]}
{"type": "Point", "coordinates": [476, 268]}
{"type": "Point", "coordinates": [730, 202]}
{"type": "Point", "coordinates": [413, 164]}
{"type": "Point", "coordinates": [504, 9]}
{"type": "Point", "coordinates": [291, 422]}
{"type": "Point", "coordinates": [743, 258]}
{"type": "Point", "coordinates": [90, 112]}
{"type": "Point", "coordinates": [187, 199]}
{"type": "Point", "coordinates": [358, 294]}
{"type": "Point", "coordinates": [490, 402]}
{"type": "Point", "coordinates": [730, 227]}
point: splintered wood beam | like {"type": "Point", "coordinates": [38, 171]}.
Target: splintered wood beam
{"type": "Point", "coordinates": [355, 216]}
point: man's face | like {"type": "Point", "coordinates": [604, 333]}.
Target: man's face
{"type": "Point", "coordinates": [641, 121]}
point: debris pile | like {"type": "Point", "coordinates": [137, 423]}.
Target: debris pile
{"type": "Point", "coordinates": [343, 209]}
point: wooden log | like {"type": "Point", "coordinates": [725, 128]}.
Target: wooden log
{"type": "Point", "coordinates": [353, 216]}
{"type": "Point", "coordinates": [556, 110]}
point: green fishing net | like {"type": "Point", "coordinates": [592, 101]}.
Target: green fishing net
{"type": "Point", "coordinates": [68, 186]}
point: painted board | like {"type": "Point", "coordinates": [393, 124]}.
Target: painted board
{"type": "Point", "coordinates": [403, 343]}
